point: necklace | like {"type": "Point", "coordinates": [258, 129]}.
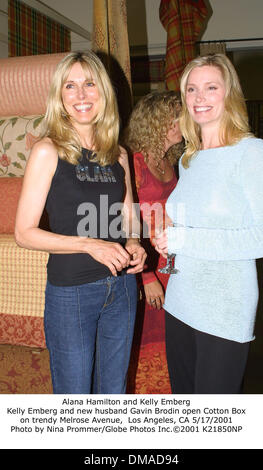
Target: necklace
{"type": "Point", "coordinates": [154, 163]}
{"type": "Point", "coordinates": [161, 170]}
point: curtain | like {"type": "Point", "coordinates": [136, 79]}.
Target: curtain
{"type": "Point", "coordinates": [31, 33]}
{"type": "Point", "coordinates": [183, 20]}
{"type": "Point", "coordinates": [111, 43]}
{"type": "Point", "coordinates": [212, 47]}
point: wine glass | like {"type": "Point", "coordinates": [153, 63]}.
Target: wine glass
{"type": "Point", "coordinates": [170, 267]}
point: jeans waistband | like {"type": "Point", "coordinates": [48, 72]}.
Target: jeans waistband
{"type": "Point", "coordinates": [122, 272]}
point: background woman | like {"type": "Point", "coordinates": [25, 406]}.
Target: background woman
{"type": "Point", "coordinates": [211, 302]}
{"type": "Point", "coordinates": [151, 135]}
{"type": "Point", "coordinates": [91, 292]}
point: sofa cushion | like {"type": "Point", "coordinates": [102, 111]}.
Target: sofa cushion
{"type": "Point", "coordinates": [10, 189]}
{"type": "Point", "coordinates": [22, 279]}
{"type": "Point", "coordinates": [17, 135]}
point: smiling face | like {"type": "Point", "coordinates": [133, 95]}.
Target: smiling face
{"type": "Point", "coordinates": [80, 97]}
{"type": "Point", "coordinates": [205, 96]}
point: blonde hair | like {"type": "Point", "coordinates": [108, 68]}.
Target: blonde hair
{"type": "Point", "coordinates": [234, 124]}
{"type": "Point", "coordinates": [151, 118]}
{"type": "Point", "coordinates": [57, 123]}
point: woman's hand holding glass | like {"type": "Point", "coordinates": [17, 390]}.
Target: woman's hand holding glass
{"type": "Point", "coordinates": [161, 245]}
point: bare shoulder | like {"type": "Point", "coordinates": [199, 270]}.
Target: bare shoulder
{"type": "Point", "coordinates": [44, 148]}
{"type": "Point", "coordinates": [43, 155]}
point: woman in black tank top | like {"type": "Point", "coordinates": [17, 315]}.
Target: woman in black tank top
{"type": "Point", "coordinates": [78, 172]}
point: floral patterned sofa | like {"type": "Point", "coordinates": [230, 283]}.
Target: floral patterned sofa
{"type": "Point", "coordinates": [24, 83]}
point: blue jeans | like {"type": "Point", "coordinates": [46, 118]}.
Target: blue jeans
{"type": "Point", "coordinates": [89, 332]}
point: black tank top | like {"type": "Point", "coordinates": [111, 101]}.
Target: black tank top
{"type": "Point", "coordinates": [80, 202]}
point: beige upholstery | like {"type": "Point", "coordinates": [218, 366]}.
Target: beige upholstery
{"type": "Point", "coordinates": [24, 85]}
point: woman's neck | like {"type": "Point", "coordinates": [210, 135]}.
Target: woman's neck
{"type": "Point", "coordinates": [161, 169]}
{"type": "Point", "coordinates": [156, 163]}
{"type": "Point", "coordinates": [210, 139]}
{"type": "Point", "coordinates": [86, 136]}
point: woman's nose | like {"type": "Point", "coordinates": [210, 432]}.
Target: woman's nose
{"type": "Point", "coordinates": [199, 96]}
{"type": "Point", "coordinates": [81, 92]}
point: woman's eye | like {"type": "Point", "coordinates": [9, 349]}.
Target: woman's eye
{"type": "Point", "coordinates": [212, 87]}
{"type": "Point", "coordinates": [69, 85]}
{"type": "Point", "coordinates": [90, 84]}
{"type": "Point", "coordinates": [190, 89]}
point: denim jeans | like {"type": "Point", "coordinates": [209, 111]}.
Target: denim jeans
{"type": "Point", "coordinates": [89, 332]}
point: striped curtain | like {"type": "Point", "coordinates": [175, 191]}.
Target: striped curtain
{"type": "Point", "coordinates": [111, 43]}
{"type": "Point", "coordinates": [183, 20]}
{"type": "Point", "coordinates": [31, 33]}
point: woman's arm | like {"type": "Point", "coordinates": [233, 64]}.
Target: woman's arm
{"type": "Point", "coordinates": [39, 172]}
{"type": "Point", "coordinates": [132, 222]}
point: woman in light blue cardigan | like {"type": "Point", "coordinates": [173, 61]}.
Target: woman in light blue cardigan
{"type": "Point", "coordinates": [217, 211]}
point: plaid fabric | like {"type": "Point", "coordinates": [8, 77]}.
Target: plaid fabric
{"type": "Point", "coordinates": [183, 20]}
{"type": "Point", "coordinates": [31, 33]}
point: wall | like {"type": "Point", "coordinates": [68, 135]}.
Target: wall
{"type": "Point", "coordinates": [228, 19]}
{"type": "Point", "coordinates": [237, 19]}
{"type": "Point", "coordinates": [234, 19]}
{"type": "Point", "coordinates": [78, 11]}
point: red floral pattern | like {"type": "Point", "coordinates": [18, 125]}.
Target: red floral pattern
{"type": "Point", "coordinates": [10, 189]}
{"type": "Point", "coordinates": [24, 370]}
{"type": "Point", "coordinates": [148, 373]}
{"type": "Point", "coordinates": [5, 160]}
{"type": "Point", "coordinates": [22, 330]}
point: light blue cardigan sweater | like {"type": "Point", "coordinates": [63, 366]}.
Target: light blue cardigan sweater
{"type": "Point", "coordinates": [218, 201]}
